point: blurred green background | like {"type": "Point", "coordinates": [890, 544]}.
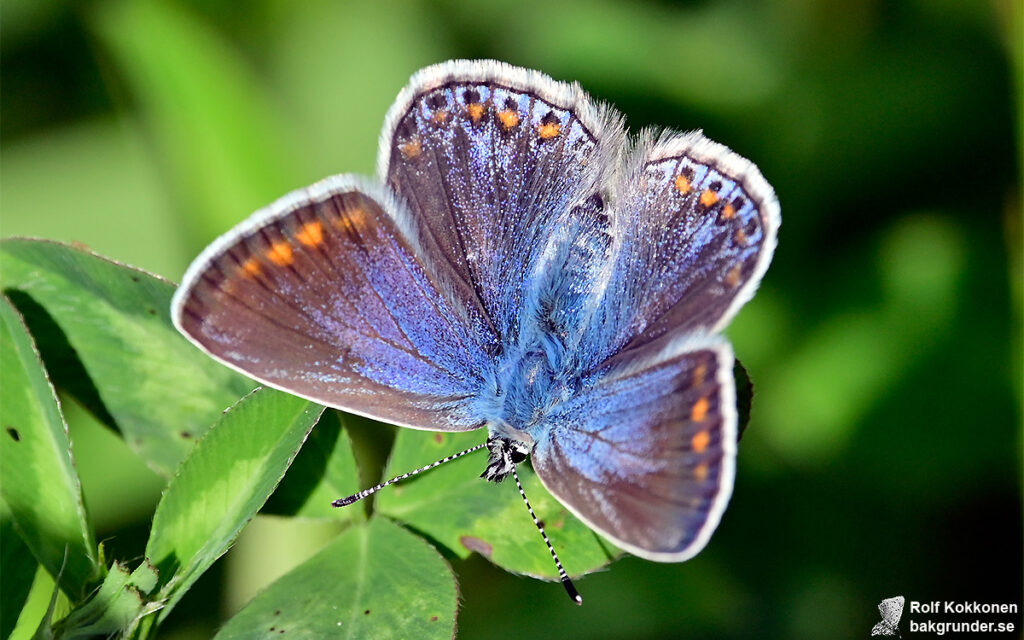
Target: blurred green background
{"type": "Point", "coordinates": [884, 452]}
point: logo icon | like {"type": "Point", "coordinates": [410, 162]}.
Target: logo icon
{"type": "Point", "coordinates": [891, 610]}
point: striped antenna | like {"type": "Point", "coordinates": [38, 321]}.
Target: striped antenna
{"type": "Point", "coordinates": [356, 497]}
{"type": "Point", "coordinates": [570, 588]}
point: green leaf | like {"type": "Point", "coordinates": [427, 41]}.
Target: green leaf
{"type": "Point", "coordinates": [224, 481]}
{"type": "Point", "coordinates": [221, 138]}
{"type": "Point", "coordinates": [38, 481]}
{"type": "Point", "coordinates": [93, 181]}
{"type": "Point", "coordinates": [455, 507]}
{"type": "Point", "coordinates": [116, 607]}
{"type": "Point", "coordinates": [106, 331]}
{"type": "Point", "coordinates": [19, 569]}
{"type": "Point", "coordinates": [347, 139]}
{"type": "Point", "coordinates": [375, 580]}
{"type": "Point", "coordinates": [324, 471]}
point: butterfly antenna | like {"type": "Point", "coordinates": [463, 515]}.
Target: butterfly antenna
{"type": "Point", "coordinates": [570, 588]}
{"type": "Point", "coordinates": [356, 497]}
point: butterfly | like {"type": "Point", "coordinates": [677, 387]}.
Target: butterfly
{"type": "Point", "coordinates": [520, 265]}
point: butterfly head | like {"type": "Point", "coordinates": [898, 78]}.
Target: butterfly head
{"type": "Point", "coordinates": [505, 454]}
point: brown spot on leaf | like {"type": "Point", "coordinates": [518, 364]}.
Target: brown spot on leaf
{"type": "Point", "coordinates": [472, 543]}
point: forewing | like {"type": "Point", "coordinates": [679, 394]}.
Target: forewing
{"type": "Point", "coordinates": [324, 294]}
{"type": "Point", "coordinates": [492, 159]}
{"type": "Point", "coordinates": [646, 454]}
{"type": "Point", "coordinates": [695, 229]}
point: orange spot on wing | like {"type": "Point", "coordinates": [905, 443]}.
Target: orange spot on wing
{"type": "Point", "coordinates": [311, 234]}
{"type": "Point", "coordinates": [708, 198]}
{"type": "Point", "coordinates": [701, 472]}
{"type": "Point", "coordinates": [280, 253]}
{"type": "Point", "coordinates": [439, 116]}
{"type": "Point", "coordinates": [728, 211]}
{"type": "Point", "coordinates": [700, 441]}
{"type": "Point", "coordinates": [476, 111]}
{"type": "Point", "coordinates": [700, 410]}
{"type": "Point", "coordinates": [699, 374]}
{"type": "Point", "coordinates": [251, 267]}
{"type": "Point", "coordinates": [351, 220]}
{"type": "Point", "coordinates": [357, 216]}
{"type": "Point", "coordinates": [683, 184]}
{"type": "Point", "coordinates": [741, 236]}
{"type": "Point", "coordinates": [411, 149]}
{"type": "Point", "coordinates": [733, 277]}
{"type": "Point", "coordinates": [508, 118]}
{"type": "Point", "coordinates": [548, 131]}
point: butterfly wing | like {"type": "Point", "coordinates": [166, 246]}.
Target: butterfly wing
{"type": "Point", "coordinates": [325, 294]}
{"type": "Point", "coordinates": [491, 160]}
{"type": "Point", "coordinates": [695, 229]}
{"type": "Point", "coordinates": [645, 454]}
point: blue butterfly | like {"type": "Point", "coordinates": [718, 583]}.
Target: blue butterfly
{"type": "Point", "coordinates": [521, 266]}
